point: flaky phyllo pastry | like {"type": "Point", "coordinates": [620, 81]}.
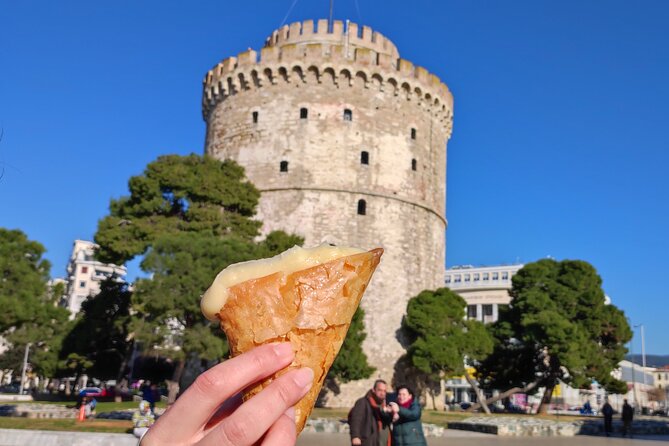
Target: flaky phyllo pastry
{"type": "Point", "coordinates": [304, 296]}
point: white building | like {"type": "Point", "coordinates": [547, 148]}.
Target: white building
{"type": "Point", "coordinates": [85, 275]}
{"type": "Point", "coordinates": [484, 288]}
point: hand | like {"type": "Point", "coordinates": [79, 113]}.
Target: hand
{"type": "Point", "coordinates": [356, 441]}
{"type": "Point", "coordinates": [395, 408]}
{"type": "Point", "coordinates": [211, 412]}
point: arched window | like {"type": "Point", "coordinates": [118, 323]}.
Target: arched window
{"type": "Point", "coordinates": [362, 207]}
{"type": "Point", "coordinates": [364, 157]}
{"type": "Point", "coordinates": [255, 117]}
{"type": "Point", "coordinates": [414, 164]}
{"type": "Point", "coordinates": [304, 113]}
{"type": "Point", "coordinates": [348, 115]}
{"type": "Point", "coordinates": [283, 166]}
{"type": "Point", "coordinates": [413, 133]}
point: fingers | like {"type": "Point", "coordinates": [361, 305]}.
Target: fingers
{"type": "Point", "coordinates": [283, 432]}
{"type": "Point", "coordinates": [186, 419]}
{"type": "Point", "coordinates": [255, 417]}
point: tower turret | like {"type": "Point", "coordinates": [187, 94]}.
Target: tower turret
{"type": "Point", "coordinates": [347, 143]}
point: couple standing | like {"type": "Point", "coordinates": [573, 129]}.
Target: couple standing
{"type": "Point", "coordinates": [371, 419]}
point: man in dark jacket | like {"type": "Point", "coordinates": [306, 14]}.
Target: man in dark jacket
{"type": "Point", "coordinates": [628, 415]}
{"type": "Point", "coordinates": [607, 411]}
{"type": "Point", "coordinates": [370, 418]}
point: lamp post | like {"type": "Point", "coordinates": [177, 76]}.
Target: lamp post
{"type": "Point", "coordinates": [25, 365]}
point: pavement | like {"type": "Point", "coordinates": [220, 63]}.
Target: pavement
{"type": "Point", "coordinates": [454, 437]}
{"type": "Point", "coordinates": [20, 437]}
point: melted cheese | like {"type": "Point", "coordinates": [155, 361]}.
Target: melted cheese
{"type": "Point", "coordinates": [294, 259]}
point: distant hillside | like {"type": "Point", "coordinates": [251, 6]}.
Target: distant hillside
{"type": "Point", "coordinates": [651, 360]}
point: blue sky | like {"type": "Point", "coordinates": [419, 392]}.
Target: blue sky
{"type": "Point", "coordinates": [559, 147]}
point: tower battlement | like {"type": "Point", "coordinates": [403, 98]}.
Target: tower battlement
{"type": "Point", "coordinates": [347, 34]}
{"type": "Point", "coordinates": [300, 53]}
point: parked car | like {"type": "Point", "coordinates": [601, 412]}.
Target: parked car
{"type": "Point", "coordinates": [92, 391]}
{"type": "Point", "coordinates": [10, 388]}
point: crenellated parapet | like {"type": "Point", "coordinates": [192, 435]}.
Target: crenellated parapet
{"type": "Point", "coordinates": [300, 53]}
{"type": "Point", "coordinates": [348, 34]}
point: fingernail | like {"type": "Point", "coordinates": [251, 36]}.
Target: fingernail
{"type": "Point", "coordinates": [283, 350]}
{"type": "Point", "coordinates": [290, 413]}
{"type": "Point", "coordinates": [304, 378]}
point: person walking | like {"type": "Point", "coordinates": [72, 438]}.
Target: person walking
{"type": "Point", "coordinates": [370, 418]}
{"type": "Point", "coordinates": [607, 411]}
{"type": "Point", "coordinates": [407, 427]}
{"type": "Point", "coordinates": [627, 416]}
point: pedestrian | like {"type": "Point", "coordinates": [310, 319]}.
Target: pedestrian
{"type": "Point", "coordinates": [607, 411]}
{"type": "Point", "coordinates": [148, 395]}
{"type": "Point", "coordinates": [370, 418]}
{"type": "Point", "coordinates": [407, 428]}
{"type": "Point", "coordinates": [627, 416]}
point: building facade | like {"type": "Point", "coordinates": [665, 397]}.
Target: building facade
{"type": "Point", "coordinates": [85, 274]}
{"type": "Point", "coordinates": [347, 143]}
{"type": "Point", "coordinates": [483, 288]}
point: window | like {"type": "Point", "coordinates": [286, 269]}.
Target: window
{"type": "Point", "coordinates": [414, 164]}
{"type": "Point", "coordinates": [477, 277]}
{"type": "Point", "coordinates": [505, 276]}
{"type": "Point", "coordinates": [82, 284]}
{"type": "Point", "coordinates": [448, 279]}
{"type": "Point", "coordinates": [348, 115]}
{"type": "Point", "coordinates": [486, 276]}
{"type": "Point", "coordinates": [364, 157]}
{"type": "Point", "coordinates": [458, 278]}
{"type": "Point", "coordinates": [471, 311]}
{"type": "Point", "coordinates": [467, 278]}
{"type": "Point", "coordinates": [255, 117]}
{"type": "Point", "coordinates": [304, 113]}
{"type": "Point", "coordinates": [362, 207]}
{"type": "Point", "coordinates": [495, 276]}
{"type": "Point", "coordinates": [283, 166]}
{"type": "Point", "coordinates": [84, 269]}
{"type": "Point", "coordinates": [413, 133]}
{"type": "Point", "coordinates": [487, 310]}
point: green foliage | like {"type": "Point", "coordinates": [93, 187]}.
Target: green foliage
{"type": "Point", "coordinates": [351, 362]}
{"type": "Point", "coordinates": [177, 194]}
{"type": "Point", "coordinates": [439, 337]}
{"type": "Point", "coordinates": [29, 312]}
{"type": "Point", "coordinates": [557, 327]}
{"type": "Point", "coordinates": [100, 340]}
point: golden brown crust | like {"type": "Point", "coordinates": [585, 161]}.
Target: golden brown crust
{"type": "Point", "coordinates": [312, 308]}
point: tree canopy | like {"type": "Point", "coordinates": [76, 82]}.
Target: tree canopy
{"type": "Point", "coordinates": [190, 217]}
{"type": "Point", "coordinates": [558, 327]}
{"type": "Point", "coordinates": [441, 341]}
{"type": "Point", "coordinates": [29, 311]}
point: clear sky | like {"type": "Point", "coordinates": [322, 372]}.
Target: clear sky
{"type": "Point", "coordinates": [560, 145]}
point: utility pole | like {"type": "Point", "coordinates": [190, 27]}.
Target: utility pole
{"type": "Point", "coordinates": [331, 9]}
{"type": "Point", "coordinates": [25, 365]}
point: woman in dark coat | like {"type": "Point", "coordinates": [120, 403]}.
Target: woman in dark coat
{"type": "Point", "coordinates": [407, 428]}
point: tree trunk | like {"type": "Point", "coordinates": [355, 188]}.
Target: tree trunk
{"type": "Point", "coordinates": [127, 357]}
{"type": "Point", "coordinates": [479, 395]}
{"type": "Point", "coordinates": [506, 394]}
{"type": "Point", "coordinates": [546, 399]}
{"type": "Point", "coordinates": [173, 384]}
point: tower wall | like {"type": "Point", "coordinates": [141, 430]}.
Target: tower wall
{"type": "Point", "coordinates": [253, 113]}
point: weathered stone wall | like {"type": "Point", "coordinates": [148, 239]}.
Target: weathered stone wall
{"type": "Point", "coordinates": [253, 112]}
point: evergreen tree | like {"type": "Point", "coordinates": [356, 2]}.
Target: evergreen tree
{"type": "Point", "coordinates": [442, 342]}
{"type": "Point", "coordinates": [558, 327]}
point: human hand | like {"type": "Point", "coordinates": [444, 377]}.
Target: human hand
{"type": "Point", "coordinates": [394, 407]}
{"type": "Point", "coordinates": [211, 412]}
{"type": "Point", "coordinates": [356, 441]}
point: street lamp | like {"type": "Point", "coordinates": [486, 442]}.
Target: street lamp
{"type": "Point", "coordinates": [643, 357]}
{"type": "Point", "coordinates": [25, 365]}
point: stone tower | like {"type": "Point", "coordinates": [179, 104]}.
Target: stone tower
{"type": "Point", "coordinates": [347, 143]}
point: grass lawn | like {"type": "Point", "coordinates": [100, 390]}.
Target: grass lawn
{"type": "Point", "coordinates": [50, 424]}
